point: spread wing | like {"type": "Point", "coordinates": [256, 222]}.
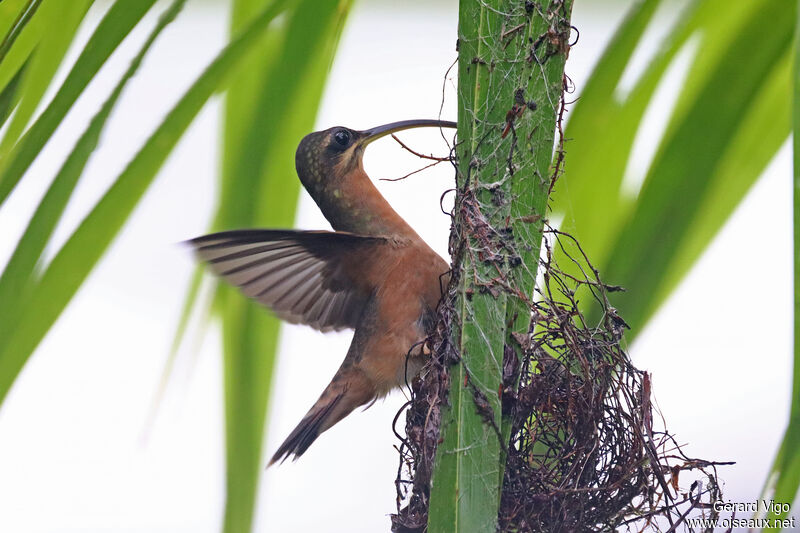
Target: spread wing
{"type": "Point", "coordinates": [308, 277]}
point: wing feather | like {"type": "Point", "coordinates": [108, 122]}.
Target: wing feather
{"type": "Point", "coordinates": [308, 277]}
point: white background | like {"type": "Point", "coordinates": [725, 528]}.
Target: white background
{"type": "Point", "coordinates": [77, 451]}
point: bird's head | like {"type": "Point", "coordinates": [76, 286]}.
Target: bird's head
{"type": "Point", "coordinates": [324, 157]}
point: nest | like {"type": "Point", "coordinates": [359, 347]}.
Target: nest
{"type": "Point", "coordinates": [585, 452]}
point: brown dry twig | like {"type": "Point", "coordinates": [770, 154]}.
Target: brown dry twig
{"type": "Point", "coordinates": [421, 156]}
{"type": "Point", "coordinates": [412, 172]}
{"type": "Point", "coordinates": [436, 161]}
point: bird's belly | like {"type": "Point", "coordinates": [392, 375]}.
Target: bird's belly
{"type": "Point", "coordinates": [402, 318]}
{"type": "Point", "coordinates": [394, 360]}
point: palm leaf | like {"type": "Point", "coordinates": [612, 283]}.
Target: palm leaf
{"type": "Point", "coordinates": [20, 35]}
{"type": "Point", "coordinates": [56, 24]}
{"type": "Point", "coordinates": [603, 126]}
{"type": "Point", "coordinates": [24, 13]}
{"type": "Point", "coordinates": [86, 245]}
{"type": "Point", "coordinates": [727, 124]}
{"type": "Point", "coordinates": [19, 276]}
{"type": "Point", "coordinates": [678, 187]}
{"type": "Point", "coordinates": [9, 94]}
{"type": "Point", "coordinates": [783, 483]}
{"type": "Point", "coordinates": [117, 23]}
{"type": "Point", "coordinates": [266, 116]}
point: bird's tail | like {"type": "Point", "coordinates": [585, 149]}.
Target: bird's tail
{"type": "Point", "coordinates": [348, 390]}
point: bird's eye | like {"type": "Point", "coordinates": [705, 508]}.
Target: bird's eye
{"type": "Point", "coordinates": [342, 137]}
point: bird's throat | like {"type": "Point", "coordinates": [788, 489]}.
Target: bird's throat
{"type": "Point", "coordinates": [355, 205]}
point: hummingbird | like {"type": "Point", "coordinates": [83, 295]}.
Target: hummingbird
{"type": "Point", "coordinates": [373, 274]}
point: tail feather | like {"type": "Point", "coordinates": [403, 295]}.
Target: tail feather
{"type": "Point", "coordinates": [306, 431]}
{"type": "Point", "coordinates": [349, 389]}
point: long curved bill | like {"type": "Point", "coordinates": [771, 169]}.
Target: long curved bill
{"type": "Point", "coordinates": [387, 129]}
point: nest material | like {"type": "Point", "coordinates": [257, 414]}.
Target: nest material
{"type": "Point", "coordinates": [585, 453]}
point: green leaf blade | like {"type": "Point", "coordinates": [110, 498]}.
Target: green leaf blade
{"type": "Point", "coordinates": [117, 23]}
{"type": "Point", "coordinates": [59, 24]}
{"type": "Point", "coordinates": [266, 116]}
{"type": "Point", "coordinates": [784, 479]}
{"type": "Point", "coordinates": [73, 263]}
{"type": "Point", "coordinates": [19, 275]}
{"type": "Point", "coordinates": [679, 178]}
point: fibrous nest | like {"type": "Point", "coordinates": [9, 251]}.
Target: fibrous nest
{"type": "Point", "coordinates": [585, 453]}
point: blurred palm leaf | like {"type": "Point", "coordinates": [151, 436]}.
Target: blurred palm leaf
{"type": "Point", "coordinates": [271, 104]}
{"type": "Point", "coordinates": [29, 307]}
{"type": "Point", "coordinates": [683, 178]}
{"type": "Point", "coordinates": [14, 16]}
{"type": "Point", "coordinates": [646, 241]}
{"type": "Point", "coordinates": [784, 479]}
{"type": "Point", "coordinates": [731, 117]}
{"type": "Point", "coordinates": [266, 116]}
{"type": "Point", "coordinates": [19, 275]}
{"type": "Point", "coordinates": [8, 95]}
{"type": "Point", "coordinates": [54, 24]}
{"type": "Point", "coordinates": [19, 153]}
{"type": "Point", "coordinates": [38, 306]}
